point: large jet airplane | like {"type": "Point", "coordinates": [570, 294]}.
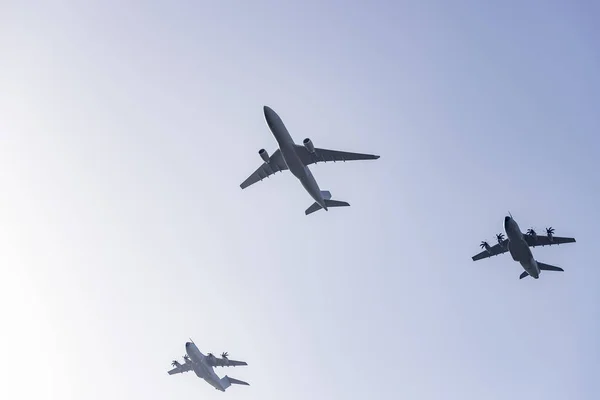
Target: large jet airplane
{"type": "Point", "coordinates": [202, 365]}
{"type": "Point", "coordinates": [519, 243]}
{"type": "Point", "coordinates": [296, 158]}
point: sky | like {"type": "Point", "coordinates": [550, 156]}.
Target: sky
{"type": "Point", "coordinates": [127, 127]}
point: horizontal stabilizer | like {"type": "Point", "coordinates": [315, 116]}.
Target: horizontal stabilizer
{"type": "Point", "coordinates": [336, 203]}
{"type": "Point", "coordinates": [523, 275]}
{"type": "Point", "coordinates": [227, 381]}
{"type": "Point", "coordinates": [314, 207]}
{"type": "Point", "coordinates": [546, 267]}
{"type": "Point", "coordinates": [328, 203]}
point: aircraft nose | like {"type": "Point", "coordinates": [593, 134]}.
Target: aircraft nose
{"type": "Point", "coordinates": [187, 345]}
{"type": "Point", "coordinates": [506, 219]}
{"type": "Point", "coordinates": [270, 116]}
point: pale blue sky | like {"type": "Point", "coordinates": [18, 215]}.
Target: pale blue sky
{"type": "Point", "coordinates": [127, 127]}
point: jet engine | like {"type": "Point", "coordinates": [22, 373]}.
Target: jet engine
{"type": "Point", "coordinates": [309, 145]}
{"type": "Point", "coordinates": [264, 155]}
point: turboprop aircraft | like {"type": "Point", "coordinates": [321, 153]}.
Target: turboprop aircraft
{"type": "Point", "coordinates": [519, 243]}
{"type": "Point", "coordinates": [202, 365]}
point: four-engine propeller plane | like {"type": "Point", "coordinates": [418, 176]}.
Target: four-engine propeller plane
{"type": "Point", "coordinates": [202, 365]}
{"type": "Point", "coordinates": [519, 243]}
{"type": "Point", "coordinates": [296, 158]}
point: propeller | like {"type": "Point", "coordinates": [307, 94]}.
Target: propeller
{"type": "Point", "coordinates": [484, 245]}
{"type": "Point", "coordinates": [224, 354]}
{"type": "Point", "coordinates": [211, 355]}
{"type": "Point", "coordinates": [186, 357]}
{"type": "Point", "coordinates": [174, 363]}
{"type": "Point", "coordinates": [550, 231]}
{"type": "Point", "coordinates": [531, 232]}
{"type": "Point", "coordinates": [500, 237]}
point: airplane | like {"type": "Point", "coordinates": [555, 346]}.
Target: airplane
{"type": "Point", "coordinates": [297, 158]}
{"type": "Point", "coordinates": [519, 243]}
{"type": "Point", "coordinates": [202, 365]}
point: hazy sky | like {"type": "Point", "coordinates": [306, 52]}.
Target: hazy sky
{"type": "Point", "coordinates": [127, 127]}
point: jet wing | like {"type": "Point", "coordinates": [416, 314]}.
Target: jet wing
{"type": "Point", "coordinates": [493, 251]}
{"type": "Point", "coordinates": [179, 368]}
{"type": "Point", "coordinates": [276, 163]}
{"type": "Point", "coordinates": [225, 362]}
{"type": "Point", "coordinates": [545, 241]}
{"type": "Point", "coordinates": [324, 155]}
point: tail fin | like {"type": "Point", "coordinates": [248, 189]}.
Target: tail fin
{"type": "Point", "coordinates": [329, 203]}
{"type": "Point", "coordinates": [546, 267]}
{"type": "Point", "coordinates": [227, 381]}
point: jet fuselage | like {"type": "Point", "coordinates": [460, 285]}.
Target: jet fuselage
{"type": "Point", "coordinates": [519, 248]}
{"type": "Point", "coordinates": [288, 152]}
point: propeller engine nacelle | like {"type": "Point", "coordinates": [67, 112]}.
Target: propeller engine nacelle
{"type": "Point", "coordinates": [309, 145]}
{"type": "Point", "coordinates": [264, 155]}
{"type": "Point", "coordinates": [550, 234]}
{"type": "Point", "coordinates": [224, 357]}
{"type": "Point", "coordinates": [532, 233]}
{"type": "Point", "coordinates": [500, 238]}
{"type": "Point", "coordinates": [486, 246]}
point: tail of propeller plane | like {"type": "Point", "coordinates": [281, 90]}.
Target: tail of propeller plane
{"type": "Point", "coordinates": [226, 381]}
{"type": "Point", "coordinates": [543, 267]}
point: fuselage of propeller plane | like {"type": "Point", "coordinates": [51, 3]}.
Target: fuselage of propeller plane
{"type": "Point", "coordinates": [519, 244]}
{"type": "Point", "coordinates": [519, 248]}
{"type": "Point", "coordinates": [203, 367]}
